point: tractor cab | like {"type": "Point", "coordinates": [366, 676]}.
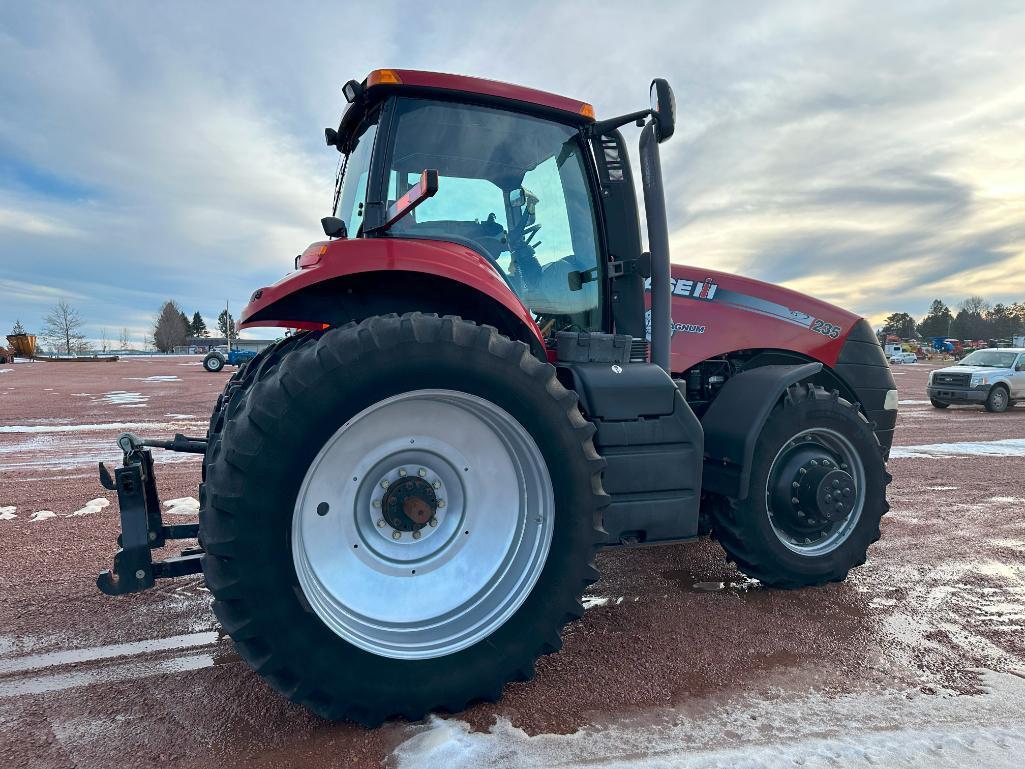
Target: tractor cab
{"type": "Point", "coordinates": [513, 186]}
{"type": "Point", "coordinates": [523, 178]}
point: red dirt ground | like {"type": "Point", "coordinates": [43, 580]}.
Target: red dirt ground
{"type": "Point", "coordinates": [941, 597]}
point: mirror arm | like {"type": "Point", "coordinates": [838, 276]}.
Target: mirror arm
{"type": "Point", "coordinates": [603, 127]}
{"type": "Point", "coordinates": [426, 188]}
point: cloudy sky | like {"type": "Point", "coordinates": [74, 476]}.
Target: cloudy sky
{"type": "Point", "coordinates": [871, 153]}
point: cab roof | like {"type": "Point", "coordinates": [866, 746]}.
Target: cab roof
{"type": "Point", "coordinates": [440, 81]}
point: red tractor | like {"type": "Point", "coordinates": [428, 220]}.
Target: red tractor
{"type": "Point", "coordinates": [401, 504]}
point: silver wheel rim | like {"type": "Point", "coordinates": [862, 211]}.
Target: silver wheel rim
{"type": "Point", "coordinates": [999, 398]}
{"type": "Point", "coordinates": [471, 567]}
{"type": "Point", "coordinates": [846, 456]}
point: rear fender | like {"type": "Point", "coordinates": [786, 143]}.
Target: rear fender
{"type": "Point", "coordinates": [735, 419]}
{"type": "Point", "coordinates": [347, 280]}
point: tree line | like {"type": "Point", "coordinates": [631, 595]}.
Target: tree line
{"type": "Point", "coordinates": [975, 318]}
{"type": "Point", "coordinates": [172, 327]}
{"type": "Point", "coordinates": [62, 330]}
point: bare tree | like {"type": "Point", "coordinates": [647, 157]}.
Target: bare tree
{"type": "Point", "coordinates": [104, 340]}
{"type": "Point", "coordinates": [171, 327]}
{"type": "Point", "coordinates": [61, 329]}
{"type": "Point", "coordinates": [125, 341]}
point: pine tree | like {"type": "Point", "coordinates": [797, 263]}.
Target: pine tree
{"type": "Point", "coordinates": [198, 325]}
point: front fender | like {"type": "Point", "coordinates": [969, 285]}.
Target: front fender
{"type": "Point", "coordinates": [339, 259]}
{"type": "Point", "coordinates": [734, 421]}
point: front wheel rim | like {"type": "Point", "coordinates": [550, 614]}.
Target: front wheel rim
{"type": "Point", "coordinates": [423, 524]}
{"type": "Point", "coordinates": [798, 522]}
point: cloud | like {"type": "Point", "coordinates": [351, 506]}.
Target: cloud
{"type": "Point", "coordinates": [870, 154]}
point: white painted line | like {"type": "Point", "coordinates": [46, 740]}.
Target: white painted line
{"type": "Point", "coordinates": [93, 653]}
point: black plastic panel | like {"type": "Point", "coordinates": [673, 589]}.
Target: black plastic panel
{"type": "Point", "coordinates": [653, 445]}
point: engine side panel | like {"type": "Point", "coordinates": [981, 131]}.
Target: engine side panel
{"type": "Point", "coordinates": [716, 312]}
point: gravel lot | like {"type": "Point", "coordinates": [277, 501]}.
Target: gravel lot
{"type": "Point", "coordinates": [918, 659]}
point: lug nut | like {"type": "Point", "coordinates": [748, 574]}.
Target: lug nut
{"type": "Point", "coordinates": [829, 498]}
{"type": "Point", "coordinates": [434, 522]}
{"type": "Point", "coordinates": [417, 535]}
{"type": "Point", "coordinates": [441, 503]}
{"type": "Point", "coordinates": [836, 484]}
{"type": "Point", "coordinates": [794, 500]}
{"type": "Point", "coordinates": [385, 483]}
{"type": "Point", "coordinates": [396, 535]}
{"type": "Point", "coordinates": [377, 504]}
{"type": "Point", "coordinates": [843, 467]}
{"type": "Point", "coordinates": [825, 462]}
{"type": "Point", "coordinates": [380, 523]}
{"type": "Point", "coordinates": [796, 485]}
{"type": "Point", "coordinates": [421, 472]}
{"type": "Point", "coordinates": [437, 484]}
{"type": "Point", "coordinates": [800, 513]}
{"type": "Point", "coordinates": [803, 470]}
{"type": "Point", "coordinates": [402, 472]}
{"type": "Point", "coordinates": [815, 463]}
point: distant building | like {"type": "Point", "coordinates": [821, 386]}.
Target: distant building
{"type": "Point", "coordinates": [200, 345]}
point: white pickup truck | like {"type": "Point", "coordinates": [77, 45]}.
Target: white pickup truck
{"type": "Point", "coordinates": [994, 377]}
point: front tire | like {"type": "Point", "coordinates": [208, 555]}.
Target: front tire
{"type": "Point", "coordinates": [213, 363]}
{"type": "Point", "coordinates": [320, 599]}
{"type": "Point", "coordinates": [938, 404]}
{"type": "Point", "coordinates": [997, 400]}
{"type": "Point", "coordinates": [817, 494]}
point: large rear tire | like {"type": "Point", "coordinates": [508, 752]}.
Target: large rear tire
{"type": "Point", "coordinates": [213, 362]}
{"type": "Point", "coordinates": [817, 494]}
{"type": "Point", "coordinates": [321, 597]}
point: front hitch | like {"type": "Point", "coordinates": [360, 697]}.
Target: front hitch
{"type": "Point", "coordinates": [142, 525]}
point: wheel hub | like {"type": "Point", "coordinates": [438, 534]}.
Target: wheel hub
{"type": "Point", "coordinates": [814, 491]}
{"type": "Point", "coordinates": [825, 491]}
{"type": "Point", "coordinates": [409, 505]}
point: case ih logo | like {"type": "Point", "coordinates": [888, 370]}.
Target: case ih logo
{"type": "Point", "coordinates": [704, 289]}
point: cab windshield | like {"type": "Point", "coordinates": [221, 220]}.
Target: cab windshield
{"type": "Point", "coordinates": [989, 359]}
{"type": "Point", "coordinates": [351, 184]}
{"type": "Point", "coordinates": [512, 187]}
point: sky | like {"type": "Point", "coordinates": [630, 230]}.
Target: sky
{"type": "Point", "coordinates": [869, 153]}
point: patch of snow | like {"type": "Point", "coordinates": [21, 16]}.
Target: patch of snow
{"type": "Point", "coordinates": [591, 601]}
{"type": "Point", "coordinates": [81, 395]}
{"type": "Point", "coordinates": [7, 513]}
{"type": "Point", "coordinates": [194, 363]}
{"type": "Point", "coordinates": [914, 403]}
{"type": "Point", "coordinates": [941, 488]}
{"type": "Point", "coordinates": [6, 370]}
{"type": "Point", "coordinates": [179, 416]}
{"type": "Point", "coordinates": [1010, 500]}
{"type": "Point", "coordinates": [182, 506]}
{"type": "Point", "coordinates": [123, 398]}
{"type": "Point", "coordinates": [815, 731]}
{"type": "Point", "coordinates": [42, 515]}
{"type": "Point", "coordinates": [92, 506]}
{"type": "Point", "coordinates": [155, 378]}
{"type": "Point", "coordinates": [1010, 447]}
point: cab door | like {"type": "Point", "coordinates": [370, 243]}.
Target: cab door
{"type": "Point", "coordinates": [1018, 377]}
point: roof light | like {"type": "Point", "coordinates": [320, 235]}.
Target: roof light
{"type": "Point", "coordinates": [382, 76]}
{"type": "Point", "coordinates": [587, 111]}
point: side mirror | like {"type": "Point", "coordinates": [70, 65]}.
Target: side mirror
{"type": "Point", "coordinates": [663, 108]}
{"type": "Point", "coordinates": [334, 227]}
{"type": "Point", "coordinates": [426, 188]}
